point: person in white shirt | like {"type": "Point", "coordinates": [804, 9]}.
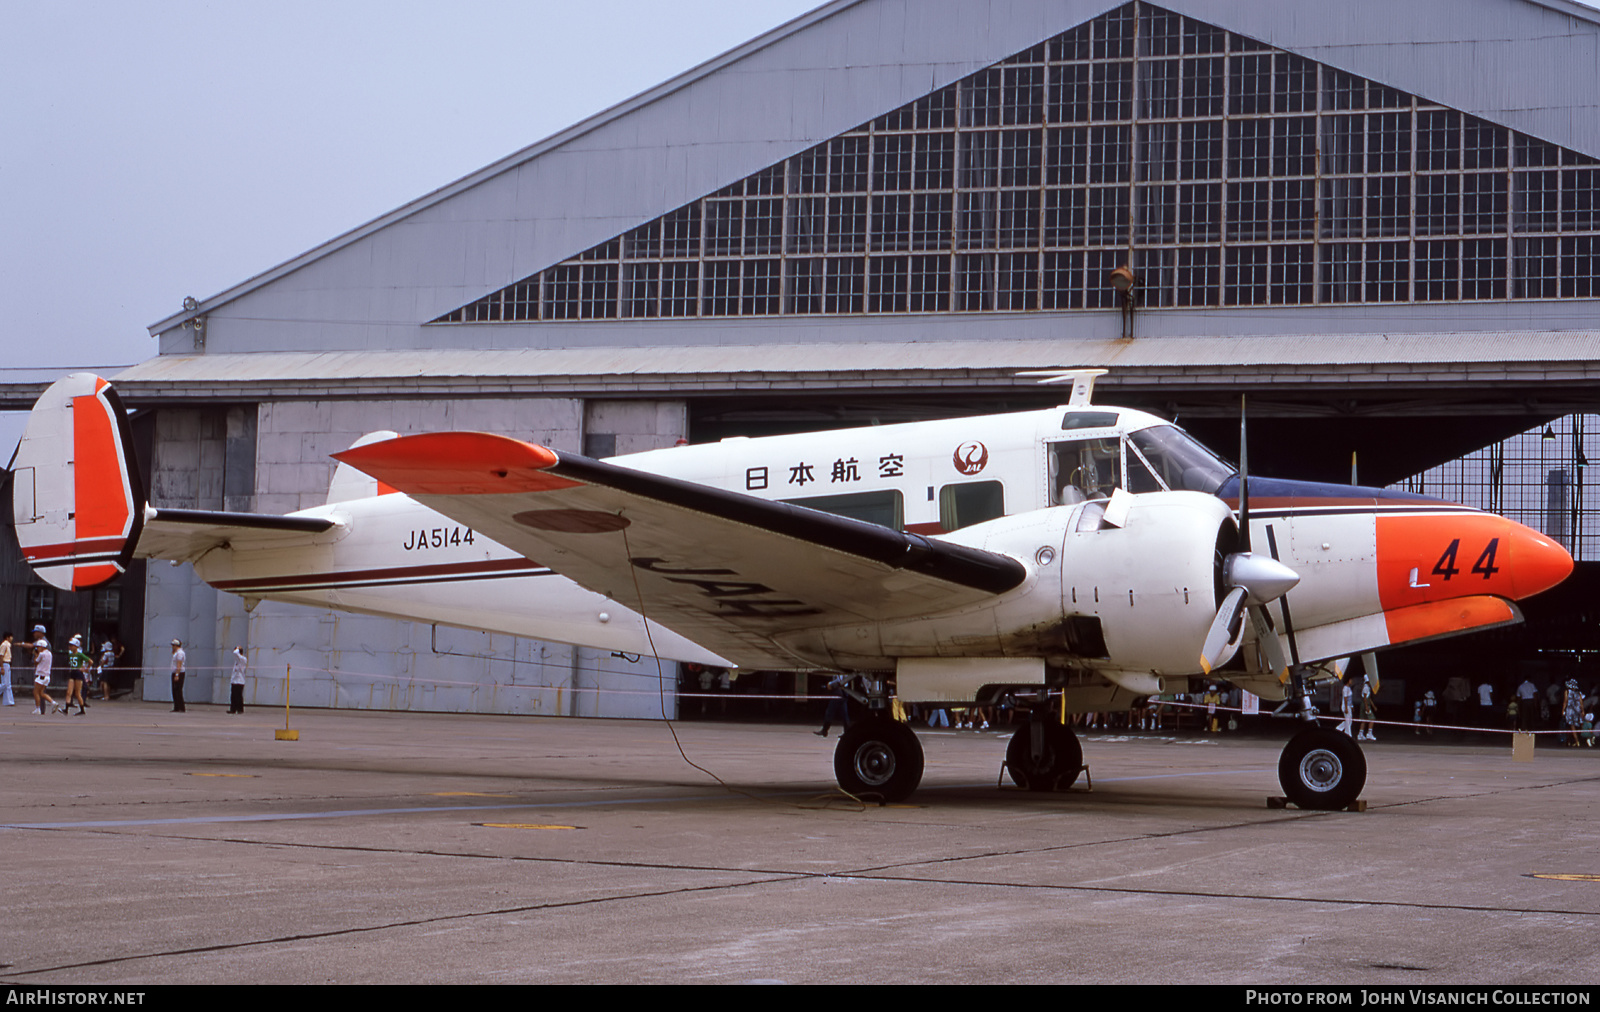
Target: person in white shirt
{"type": "Point", "coordinates": [236, 681]}
{"type": "Point", "coordinates": [179, 659]}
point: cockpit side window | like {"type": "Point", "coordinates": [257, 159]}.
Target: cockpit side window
{"type": "Point", "coordinates": [1083, 469]}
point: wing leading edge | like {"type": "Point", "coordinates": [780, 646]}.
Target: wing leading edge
{"type": "Point", "coordinates": [728, 570]}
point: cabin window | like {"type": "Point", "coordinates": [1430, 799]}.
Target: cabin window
{"type": "Point", "coordinates": [885, 508]}
{"type": "Point", "coordinates": [970, 503]}
{"type": "Point", "coordinates": [1083, 469]}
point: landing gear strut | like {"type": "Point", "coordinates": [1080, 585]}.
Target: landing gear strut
{"type": "Point", "coordinates": [878, 757]}
{"type": "Point", "coordinates": [1044, 756]}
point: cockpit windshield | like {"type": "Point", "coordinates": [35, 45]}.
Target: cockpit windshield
{"type": "Point", "coordinates": [1182, 463]}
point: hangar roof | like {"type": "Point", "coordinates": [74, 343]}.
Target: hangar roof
{"type": "Point", "coordinates": [1408, 359]}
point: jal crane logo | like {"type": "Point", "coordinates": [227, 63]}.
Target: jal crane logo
{"type": "Point", "coordinates": [971, 457]}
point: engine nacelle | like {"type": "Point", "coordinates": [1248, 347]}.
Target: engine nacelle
{"type": "Point", "coordinates": [1128, 586]}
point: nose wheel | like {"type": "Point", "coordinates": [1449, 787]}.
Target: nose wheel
{"type": "Point", "coordinates": [878, 758]}
{"type": "Point", "coordinates": [1322, 769]}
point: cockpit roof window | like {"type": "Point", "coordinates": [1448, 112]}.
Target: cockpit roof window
{"type": "Point", "coordinates": [1088, 420]}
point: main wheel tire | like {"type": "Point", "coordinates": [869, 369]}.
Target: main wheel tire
{"type": "Point", "coordinates": [1322, 769]}
{"type": "Point", "coordinates": [1055, 768]}
{"type": "Point", "coordinates": [879, 758]}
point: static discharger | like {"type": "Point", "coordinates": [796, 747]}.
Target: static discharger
{"type": "Point", "coordinates": [286, 733]}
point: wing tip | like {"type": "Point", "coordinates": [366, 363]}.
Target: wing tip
{"type": "Point", "coordinates": [457, 463]}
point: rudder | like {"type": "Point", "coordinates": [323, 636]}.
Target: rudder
{"type": "Point", "coordinates": [76, 496]}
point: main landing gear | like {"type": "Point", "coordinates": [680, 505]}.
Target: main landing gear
{"type": "Point", "coordinates": [1044, 756]}
{"type": "Point", "coordinates": [878, 757]}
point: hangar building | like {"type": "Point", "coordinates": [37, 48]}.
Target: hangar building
{"type": "Point", "coordinates": [1382, 218]}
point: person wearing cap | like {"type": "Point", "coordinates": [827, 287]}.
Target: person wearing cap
{"type": "Point", "coordinates": [5, 666]}
{"type": "Point", "coordinates": [42, 659]}
{"type": "Point", "coordinates": [77, 669]}
{"type": "Point", "coordinates": [179, 659]}
{"type": "Point", "coordinates": [236, 681]}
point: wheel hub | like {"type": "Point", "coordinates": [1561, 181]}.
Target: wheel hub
{"type": "Point", "coordinates": [1321, 770]}
{"type": "Point", "coordinates": [874, 763]}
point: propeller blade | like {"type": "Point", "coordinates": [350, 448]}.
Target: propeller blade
{"type": "Point", "coordinates": [1244, 481]}
{"type": "Point", "coordinates": [1227, 630]}
{"type": "Point", "coordinates": [1267, 636]}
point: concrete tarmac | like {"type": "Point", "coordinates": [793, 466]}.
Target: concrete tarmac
{"type": "Point", "coordinates": [146, 847]}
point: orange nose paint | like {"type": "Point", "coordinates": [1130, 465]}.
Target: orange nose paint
{"type": "Point", "coordinates": [1430, 556]}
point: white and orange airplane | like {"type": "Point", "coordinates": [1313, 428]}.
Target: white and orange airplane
{"type": "Point", "coordinates": [1078, 559]}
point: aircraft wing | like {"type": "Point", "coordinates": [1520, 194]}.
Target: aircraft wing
{"type": "Point", "coordinates": [727, 570]}
{"type": "Point", "coordinates": [185, 535]}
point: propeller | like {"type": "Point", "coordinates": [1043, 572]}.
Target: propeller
{"type": "Point", "coordinates": [1252, 581]}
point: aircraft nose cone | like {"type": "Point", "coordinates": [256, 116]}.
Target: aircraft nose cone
{"type": "Point", "coordinates": [1538, 563]}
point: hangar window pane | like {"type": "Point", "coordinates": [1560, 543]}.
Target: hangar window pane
{"type": "Point", "coordinates": [763, 287]}
{"type": "Point", "coordinates": [641, 290]}
{"type": "Point", "coordinates": [1204, 84]}
{"type": "Point", "coordinates": [1483, 269]}
{"type": "Point", "coordinates": [1294, 84]}
{"type": "Point", "coordinates": [1537, 201]}
{"type": "Point", "coordinates": [1536, 265]}
{"type": "Point", "coordinates": [1388, 271]}
{"type": "Point", "coordinates": [1438, 204]}
{"type": "Point", "coordinates": [1159, 92]}
{"type": "Point", "coordinates": [1067, 156]}
{"type": "Point", "coordinates": [1245, 276]}
{"type": "Point", "coordinates": [975, 282]}
{"type": "Point", "coordinates": [892, 162]}
{"type": "Point", "coordinates": [1438, 140]}
{"type": "Point", "coordinates": [930, 284]}
{"type": "Point", "coordinates": [1018, 281]}
{"type": "Point", "coordinates": [1023, 100]}
{"type": "Point", "coordinates": [1019, 218]}
{"type": "Point", "coordinates": [1341, 272]}
{"type": "Point", "coordinates": [1160, 32]}
{"type": "Point", "coordinates": [1437, 269]}
{"type": "Point", "coordinates": [842, 285]}
{"type": "Point", "coordinates": [1141, 135]}
{"type": "Point", "coordinates": [1292, 276]}
{"type": "Point", "coordinates": [1250, 85]}
{"type": "Point", "coordinates": [930, 221]}
{"type": "Point", "coordinates": [1200, 212]}
{"type": "Point", "coordinates": [935, 162]}
{"type": "Point", "coordinates": [1294, 208]}
{"type": "Point", "coordinates": [891, 222]}
{"type": "Point", "coordinates": [680, 232]}
{"type": "Point", "coordinates": [1200, 150]}
{"type": "Point", "coordinates": [888, 287]}
{"type": "Point", "coordinates": [724, 227]}
{"type": "Point", "coordinates": [722, 287]}
{"type": "Point", "coordinates": [1580, 267]}
{"type": "Point", "coordinates": [1580, 200]}
{"type": "Point", "coordinates": [1483, 202]}
{"type": "Point", "coordinates": [680, 289]}
{"type": "Point", "coordinates": [1197, 276]}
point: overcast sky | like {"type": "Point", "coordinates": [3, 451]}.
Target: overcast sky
{"type": "Point", "coordinates": [150, 151]}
